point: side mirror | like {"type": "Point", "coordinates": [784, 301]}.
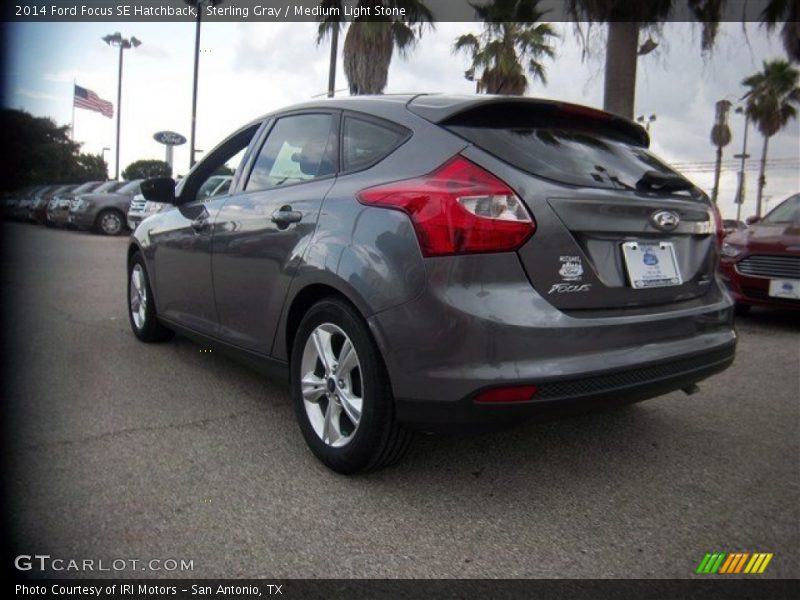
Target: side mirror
{"type": "Point", "coordinates": [160, 189]}
{"type": "Point", "coordinates": [752, 220]}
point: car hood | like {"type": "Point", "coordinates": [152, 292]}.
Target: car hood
{"type": "Point", "coordinates": [763, 237]}
{"type": "Point", "coordinates": [105, 196]}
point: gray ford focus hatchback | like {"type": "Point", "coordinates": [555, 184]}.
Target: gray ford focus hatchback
{"type": "Point", "coordinates": [435, 262]}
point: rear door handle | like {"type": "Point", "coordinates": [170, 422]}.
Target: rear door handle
{"type": "Point", "coordinates": [285, 216]}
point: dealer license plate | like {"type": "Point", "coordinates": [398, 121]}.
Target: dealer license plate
{"type": "Point", "coordinates": [651, 264]}
{"type": "Point", "coordinates": [785, 288]}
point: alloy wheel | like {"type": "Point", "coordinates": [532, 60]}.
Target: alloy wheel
{"type": "Point", "coordinates": [332, 385]}
{"type": "Point", "coordinates": [138, 296]}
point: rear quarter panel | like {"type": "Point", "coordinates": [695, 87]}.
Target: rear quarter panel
{"type": "Point", "coordinates": [371, 255]}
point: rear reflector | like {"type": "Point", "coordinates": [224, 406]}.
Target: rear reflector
{"type": "Point", "coordinates": [458, 209]}
{"type": "Point", "coordinates": [519, 393]}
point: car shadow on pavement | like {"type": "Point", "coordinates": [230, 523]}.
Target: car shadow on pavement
{"type": "Point", "coordinates": [767, 318]}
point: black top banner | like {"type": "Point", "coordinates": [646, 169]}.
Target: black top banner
{"type": "Point", "coordinates": [278, 11]}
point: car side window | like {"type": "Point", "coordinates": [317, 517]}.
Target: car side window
{"type": "Point", "coordinates": [299, 148]}
{"type": "Point", "coordinates": [365, 142]}
{"type": "Point", "coordinates": [217, 168]}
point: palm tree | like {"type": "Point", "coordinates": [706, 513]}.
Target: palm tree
{"type": "Point", "coordinates": [771, 101]}
{"type": "Point", "coordinates": [787, 11]}
{"type": "Point", "coordinates": [625, 19]}
{"type": "Point", "coordinates": [510, 46]}
{"type": "Point", "coordinates": [370, 42]}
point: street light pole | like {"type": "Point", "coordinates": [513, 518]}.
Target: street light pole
{"type": "Point", "coordinates": [198, 5]}
{"type": "Point", "coordinates": [194, 86]}
{"type": "Point", "coordinates": [744, 156]}
{"type": "Point", "coordinates": [119, 111]}
{"type": "Point", "coordinates": [116, 39]}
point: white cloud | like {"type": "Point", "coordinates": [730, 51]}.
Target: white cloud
{"type": "Point", "coordinates": [35, 95]}
{"type": "Point", "coordinates": [249, 69]}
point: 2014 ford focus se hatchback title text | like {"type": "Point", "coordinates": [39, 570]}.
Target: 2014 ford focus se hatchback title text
{"type": "Point", "coordinates": [435, 262]}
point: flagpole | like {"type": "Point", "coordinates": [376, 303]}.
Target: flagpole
{"type": "Point", "coordinates": [72, 128]}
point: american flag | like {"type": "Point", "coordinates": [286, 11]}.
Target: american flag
{"type": "Point", "coordinates": [88, 99]}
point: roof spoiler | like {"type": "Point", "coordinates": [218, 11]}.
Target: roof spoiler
{"type": "Point", "coordinates": [461, 109]}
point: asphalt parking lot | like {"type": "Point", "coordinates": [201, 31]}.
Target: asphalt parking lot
{"type": "Point", "coordinates": [122, 450]}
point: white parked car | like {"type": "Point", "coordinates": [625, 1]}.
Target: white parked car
{"type": "Point", "coordinates": [140, 208]}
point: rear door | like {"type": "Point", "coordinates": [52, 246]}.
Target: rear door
{"type": "Point", "coordinates": [262, 232]}
{"type": "Point", "coordinates": [615, 227]}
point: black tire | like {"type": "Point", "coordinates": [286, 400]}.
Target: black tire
{"type": "Point", "coordinates": [378, 440]}
{"type": "Point", "coordinates": [742, 309]}
{"type": "Point", "coordinates": [150, 330]}
{"type": "Point", "coordinates": [106, 216]}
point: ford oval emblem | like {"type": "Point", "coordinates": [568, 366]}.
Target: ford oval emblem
{"type": "Point", "coordinates": [169, 138]}
{"type": "Point", "coordinates": [665, 220]}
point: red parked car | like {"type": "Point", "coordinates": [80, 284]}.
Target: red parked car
{"type": "Point", "coordinates": [761, 264]}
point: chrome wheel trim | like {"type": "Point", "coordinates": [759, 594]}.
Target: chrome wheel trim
{"type": "Point", "coordinates": [110, 223]}
{"type": "Point", "coordinates": [138, 296]}
{"type": "Point", "coordinates": [332, 385]}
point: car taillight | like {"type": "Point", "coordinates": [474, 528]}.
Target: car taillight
{"type": "Point", "coordinates": [719, 225]}
{"type": "Point", "coordinates": [458, 209]}
{"type": "Point", "coordinates": [517, 393]}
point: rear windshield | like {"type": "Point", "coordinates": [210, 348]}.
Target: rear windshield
{"type": "Point", "coordinates": [574, 156]}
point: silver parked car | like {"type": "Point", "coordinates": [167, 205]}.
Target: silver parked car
{"type": "Point", "coordinates": [436, 262]}
{"type": "Point", "coordinates": [103, 212]}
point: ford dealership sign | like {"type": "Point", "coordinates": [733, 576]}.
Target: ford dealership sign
{"type": "Point", "coordinates": [169, 138]}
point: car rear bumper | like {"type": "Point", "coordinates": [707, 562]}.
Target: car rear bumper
{"type": "Point", "coordinates": [456, 340]}
{"type": "Point", "coordinates": [751, 290]}
{"type": "Point", "coordinates": [587, 392]}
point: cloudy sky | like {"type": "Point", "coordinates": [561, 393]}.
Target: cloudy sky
{"type": "Point", "coordinates": [248, 69]}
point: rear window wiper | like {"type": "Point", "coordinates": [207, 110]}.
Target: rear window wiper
{"type": "Point", "coordinates": [663, 182]}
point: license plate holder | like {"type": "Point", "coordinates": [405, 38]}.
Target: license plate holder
{"type": "Point", "coordinates": [651, 264]}
{"type": "Point", "coordinates": [785, 288]}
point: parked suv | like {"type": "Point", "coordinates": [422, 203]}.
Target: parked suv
{"type": "Point", "coordinates": [436, 262]}
{"type": "Point", "coordinates": [104, 212]}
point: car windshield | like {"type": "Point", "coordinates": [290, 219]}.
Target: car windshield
{"type": "Point", "coordinates": [108, 186]}
{"type": "Point", "coordinates": [130, 188]}
{"type": "Point", "coordinates": [786, 212]}
{"type": "Point", "coordinates": [85, 187]}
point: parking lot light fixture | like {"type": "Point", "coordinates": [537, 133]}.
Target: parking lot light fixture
{"type": "Point", "coordinates": [116, 39]}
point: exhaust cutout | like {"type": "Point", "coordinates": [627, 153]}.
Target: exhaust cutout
{"type": "Point", "coordinates": [691, 389]}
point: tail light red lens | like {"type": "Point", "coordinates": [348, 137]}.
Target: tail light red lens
{"type": "Point", "coordinates": [518, 393]}
{"type": "Point", "coordinates": [458, 209]}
